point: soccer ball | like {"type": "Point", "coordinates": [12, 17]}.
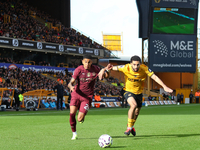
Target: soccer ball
{"type": "Point", "coordinates": [105, 140]}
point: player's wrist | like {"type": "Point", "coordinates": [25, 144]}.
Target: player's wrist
{"type": "Point", "coordinates": [106, 70]}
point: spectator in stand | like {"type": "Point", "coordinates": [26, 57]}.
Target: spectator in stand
{"type": "Point", "coordinates": [165, 97]}
{"type": "Point", "coordinates": [178, 98]}
{"type": "Point", "coordinates": [191, 97]}
{"type": "Point", "coordinates": [181, 97]}
{"type": "Point", "coordinates": [45, 103]}
{"type": "Point", "coordinates": [63, 105]}
{"type": "Point", "coordinates": [8, 104]}
{"type": "Point", "coordinates": [149, 98]}
{"type": "Point", "coordinates": [169, 96]}
{"type": "Point", "coordinates": [172, 97]}
{"type": "Point", "coordinates": [16, 96]}
{"type": "Point", "coordinates": [52, 104]}
{"type": "Point", "coordinates": [60, 93]}
{"type": "Point", "coordinates": [25, 27]}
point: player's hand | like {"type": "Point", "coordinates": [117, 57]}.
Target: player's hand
{"type": "Point", "coordinates": [101, 73]}
{"type": "Point", "coordinates": [168, 90]}
{"type": "Point", "coordinates": [72, 89]}
{"type": "Point", "coordinates": [109, 67]}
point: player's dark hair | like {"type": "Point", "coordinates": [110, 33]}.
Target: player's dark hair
{"type": "Point", "coordinates": [135, 58]}
{"type": "Point", "coordinates": [87, 57]}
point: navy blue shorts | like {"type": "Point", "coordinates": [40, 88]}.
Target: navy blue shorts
{"type": "Point", "coordinates": [137, 97]}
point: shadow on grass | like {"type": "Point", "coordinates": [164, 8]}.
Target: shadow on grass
{"type": "Point", "coordinates": [117, 147]}
{"type": "Point", "coordinates": [170, 135]}
{"type": "Point", "coordinates": [94, 138]}
{"type": "Point", "coordinates": [158, 136]}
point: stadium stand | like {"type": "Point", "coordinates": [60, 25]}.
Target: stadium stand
{"type": "Point", "coordinates": [18, 20]}
{"type": "Point", "coordinates": [32, 80]}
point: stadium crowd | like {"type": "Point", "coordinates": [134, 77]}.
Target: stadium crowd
{"type": "Point", "coordinates": [24, 26]}
{"type": "Point", "coordinates": [32, 80]}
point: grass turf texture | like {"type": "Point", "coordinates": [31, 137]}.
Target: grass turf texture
{"type": "Point", "coordinates": [169, 127]}
{"type": "Point", "coordinates": [166, 22]}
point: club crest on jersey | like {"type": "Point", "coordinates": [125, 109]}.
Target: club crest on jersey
{"type": "Point", "coordinates": [135, 76]}
{"type": "Point", "coordinates": [88, 74]}
{"type": "Point", "coordinates": [83, 73]}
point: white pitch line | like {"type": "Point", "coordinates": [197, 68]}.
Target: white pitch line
{"type": "Point", "coordinates": [110, 109]}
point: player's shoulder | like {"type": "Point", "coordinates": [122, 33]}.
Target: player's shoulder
{"type": "Point", "coordinates": [126, 67]}
{"type": "Point", "coordinates": [95, 67]}
{"type": "Point", "coordinates": [79, 67]}
{"type": "Point", "coordinates": [145, 68]}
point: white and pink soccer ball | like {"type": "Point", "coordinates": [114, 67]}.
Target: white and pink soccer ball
{"type": "Point", "coordinates": [105, 140]}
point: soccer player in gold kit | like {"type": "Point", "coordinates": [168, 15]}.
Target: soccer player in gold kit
{"type": "Point", "coordinates": [135, 74]}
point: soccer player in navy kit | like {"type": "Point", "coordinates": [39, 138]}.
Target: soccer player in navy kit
{"type": "Point", "coordinates": [83, 91]}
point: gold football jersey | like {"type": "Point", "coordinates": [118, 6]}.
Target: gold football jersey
{"type": "Point", "coordinates": [134, 81]}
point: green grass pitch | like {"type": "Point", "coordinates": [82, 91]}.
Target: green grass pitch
{"type": "Point", "coordinates": [166, 22]}
{"type": "Point", "coordinates": [168, 127]}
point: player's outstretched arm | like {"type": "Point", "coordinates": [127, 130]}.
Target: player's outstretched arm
{"type": "Point", "coordinates": [104, 72]}
{"type": "Point", "coordinates": [115, 68]}
{"type": "Point", "coordinates": [71, 84]}
{"type": "Point", "coordinates": [159, 81]}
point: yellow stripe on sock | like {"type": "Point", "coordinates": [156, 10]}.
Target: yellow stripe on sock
{"type": "Point", "coordinates": [131, 122]}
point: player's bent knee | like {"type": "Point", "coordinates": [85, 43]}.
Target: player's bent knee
{"type": "Point", "coordinates": [81, 118]}
{"type": "Point", "coordinates": [133, 106]}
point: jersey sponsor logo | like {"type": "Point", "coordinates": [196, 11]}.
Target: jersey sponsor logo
{"type": "Point", "coordinates": [86, 107]}
{"type": "Point", "coordinates": [86, 79]}
{"type": "Point", "coordinates": [121, 66]}
{"type": "Point", "coordinates": [134, 80]}
{"type": "Point", "coordinates": [150, 70]}
{"type": "Point", "coordinates": [88, 74]}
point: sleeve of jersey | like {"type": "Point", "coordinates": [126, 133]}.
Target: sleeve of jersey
{"type": "Point", "coordinates": [148, 71]}
{"type": "Point", "coordinates": [97, 70]}
{"type": "Point", "coordinates": [121, 68]}
{"type": "Point", "coordinates": [76, 73]}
